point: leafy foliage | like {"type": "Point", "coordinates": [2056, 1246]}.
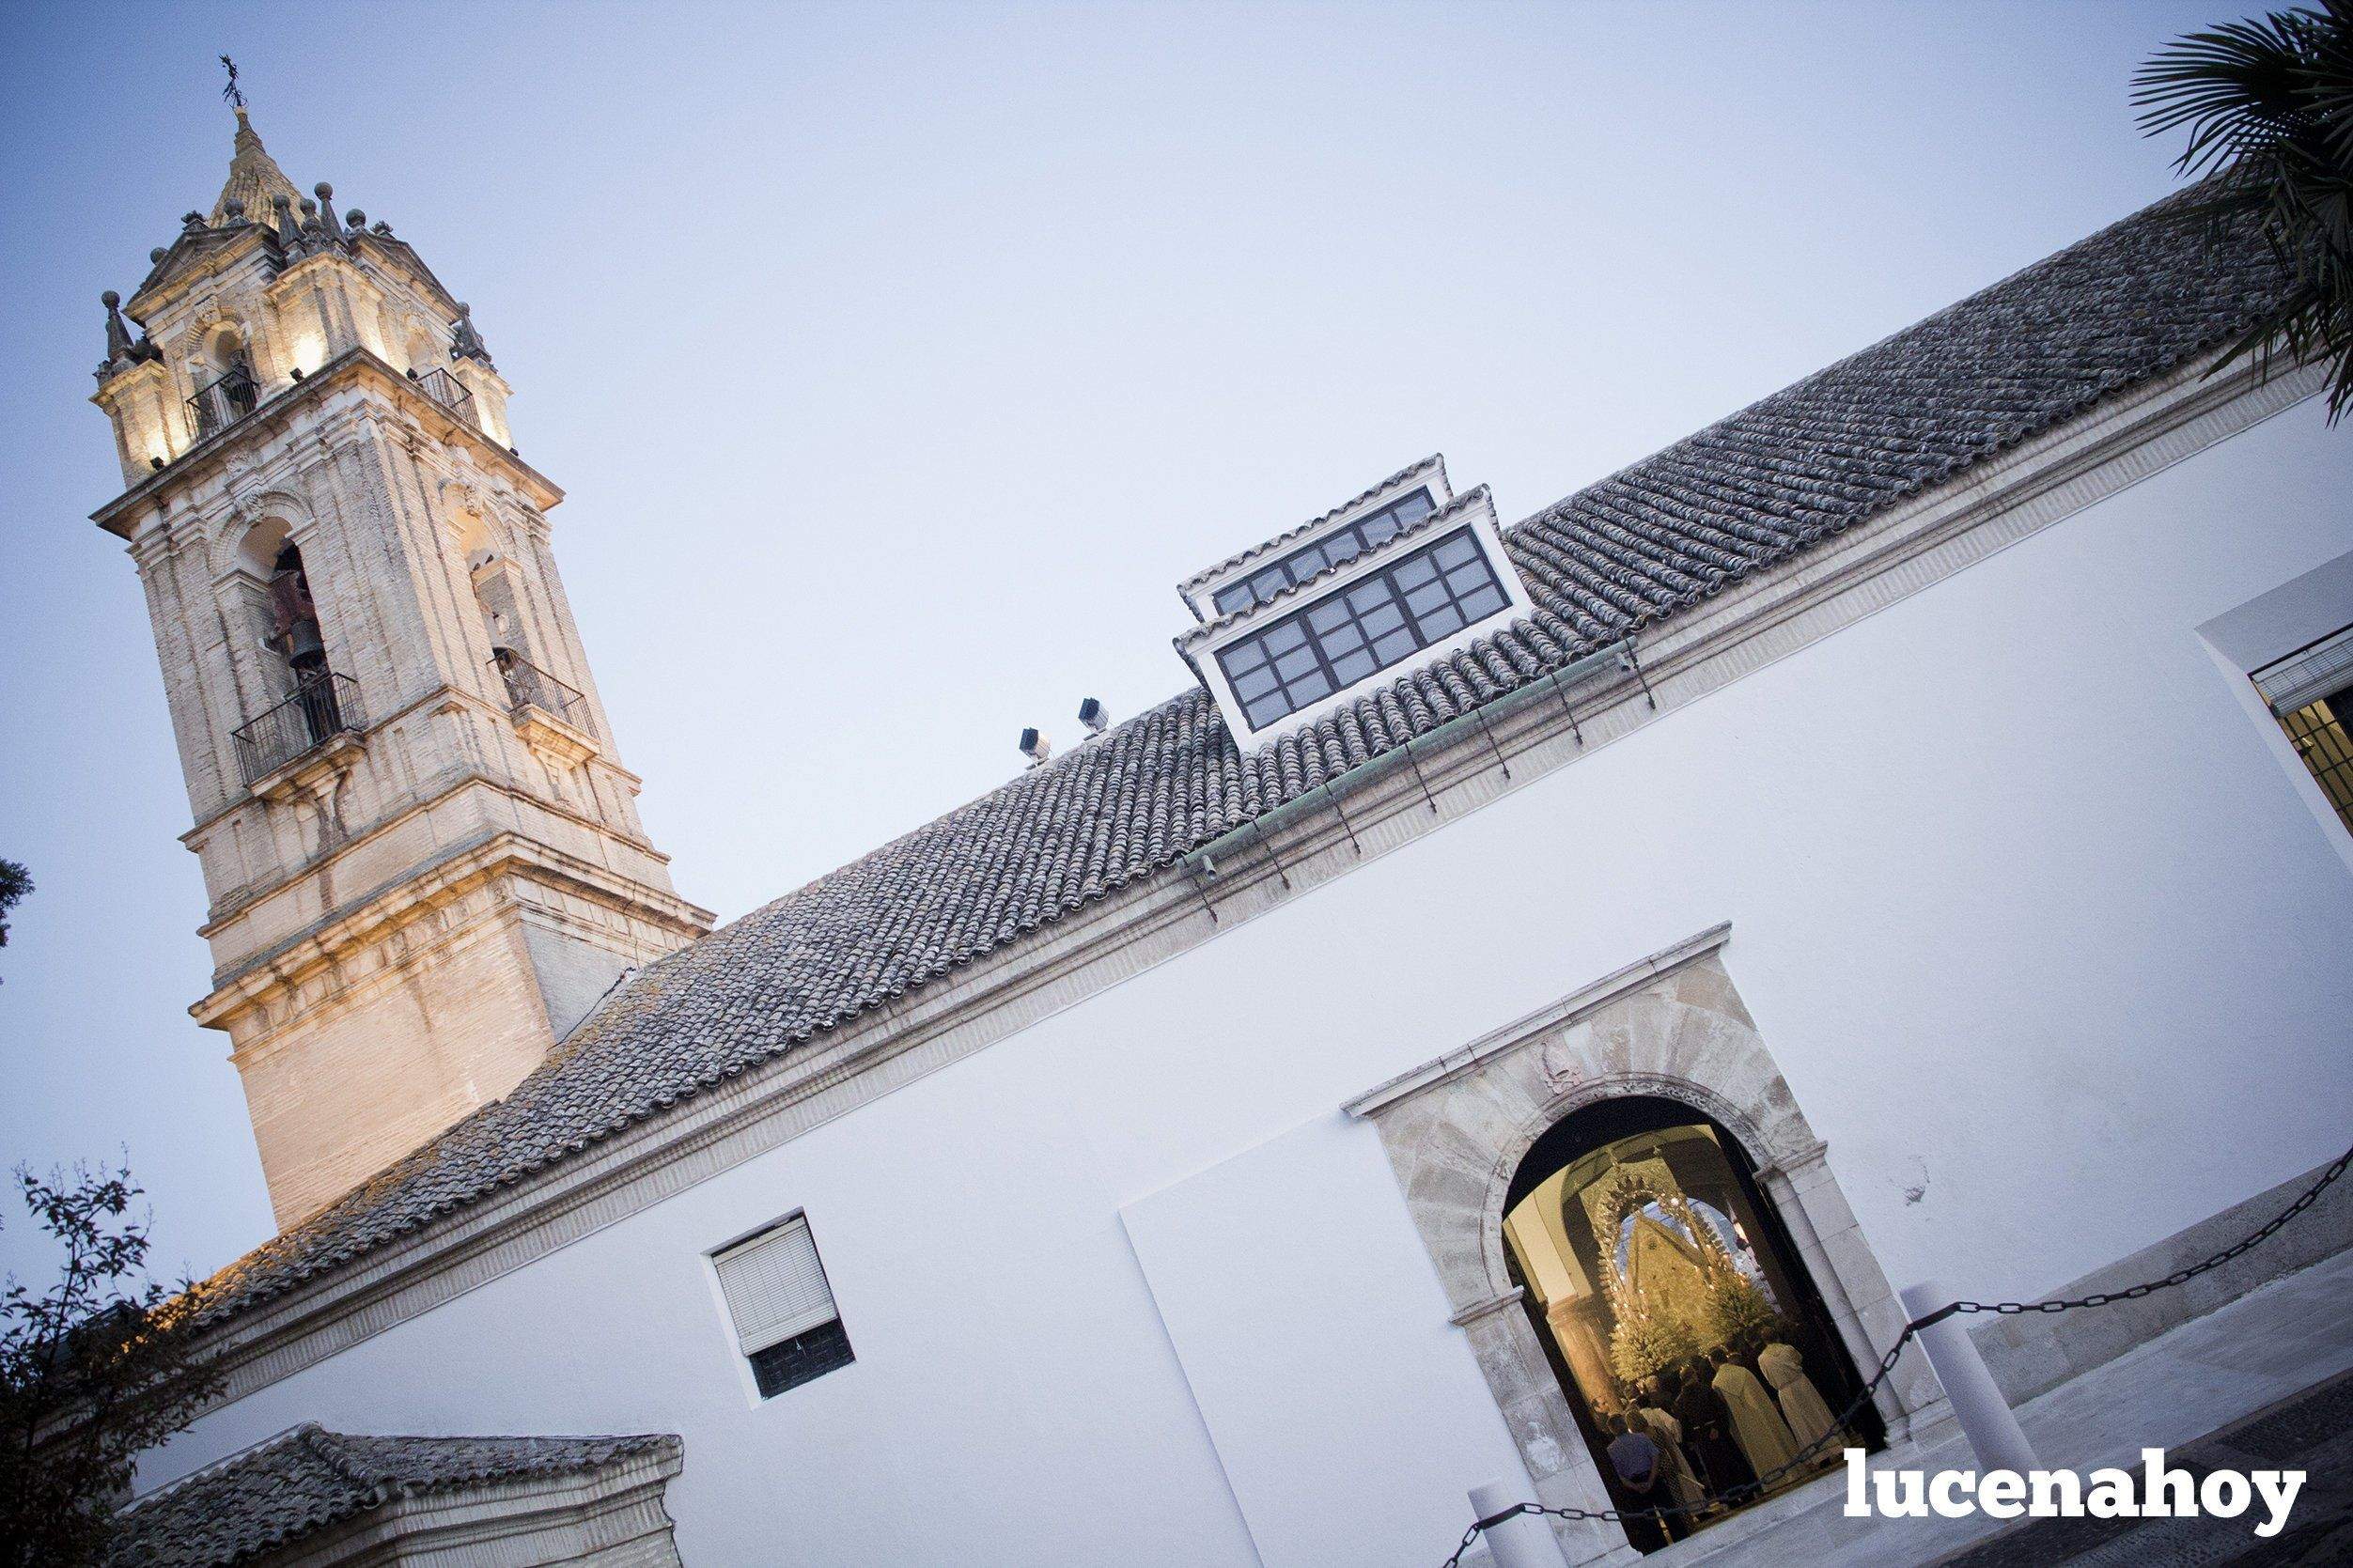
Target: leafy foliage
{"type": "Point", "coordinates": [96, 1368]}
{"type": "Point", "coordinates": [1643, 1343]}
{"type": "Point", "coordinates": [2269, 108]}
{"type": "Point", "coordinates": [15, 883]}
{"type": "Point", "coordinates": [1736, 1312]}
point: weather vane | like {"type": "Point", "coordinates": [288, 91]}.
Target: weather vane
{"type": "Point", "coordinates": [235, 98]}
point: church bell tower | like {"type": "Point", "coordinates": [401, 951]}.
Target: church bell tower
{"type": "Point", "coordinates": [421, 849]}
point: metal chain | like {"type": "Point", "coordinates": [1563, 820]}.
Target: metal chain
{"type": "Point", "coordinates": [1748, 1489]}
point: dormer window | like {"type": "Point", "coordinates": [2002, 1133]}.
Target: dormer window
{"type": "Point", "coordinates": [1396, 578]}
{"type": "Point", "coordinates": [1339, 547]}
{"type": "Point", "coordinates": [1379, 621]}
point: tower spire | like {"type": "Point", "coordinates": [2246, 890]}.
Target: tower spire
{"type": "Point", "coordinates": [255, 178]}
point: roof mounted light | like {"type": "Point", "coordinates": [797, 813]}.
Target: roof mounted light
{"type": "Point", "coordinates": [1035, 747]}
{"type": "Point", "coordinates": [1091, 714]}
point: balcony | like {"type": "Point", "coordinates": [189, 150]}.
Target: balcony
{"type": "Point", "coordinates": [223, 403]}
{"type": "Point", "coordinates": [322, 708]}
{"type": "Point", "coordinates": [449, 391]}
{"type": "Point", "coordinates": [528, 686]}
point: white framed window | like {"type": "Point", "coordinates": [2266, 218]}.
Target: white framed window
{"type": "Point", "coordinates": [1424, 590]}
{"type": "Point", "coordinates": [2288, 654]}
{"type": "Point", "coordinates": [2309, 691]}
{"type": "Point", "coordinates": [1378, 622]}
{"type": "Point", "coordinates": [781, 1307]}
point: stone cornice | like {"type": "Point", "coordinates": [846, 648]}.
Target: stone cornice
{"type": "Point", "coordinates": [456, 697]}
{"type": "Point", "coordinates": [396, 254]}
{"type": "Point", "coordinates": [1477, 1310]}
{"type": "Point", "coordinates": [1585, 1000]}
{"type": "Point", "coordinates": [131, 373]}
{"type": "Point", "coordinates": [169, 280]}
{"type": "Point", "coordinates": [414, 891]}
{"type": "Point", "coordinates": [1838, 581]}
{"type": "Point", "coordinates": [295, 272]}
{"type": "Point", "coordinates": [351, 367]}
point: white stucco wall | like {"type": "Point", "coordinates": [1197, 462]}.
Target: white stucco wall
{"type": "Point", "coordinates": [2025, 905]}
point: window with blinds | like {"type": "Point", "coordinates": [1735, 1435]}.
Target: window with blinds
{"type": "Point", "coordinates": [782, 1308]}
{"type": "Point", "coordinates": [2311, 693]}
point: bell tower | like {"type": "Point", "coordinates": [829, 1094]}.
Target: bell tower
{"type": "Point", "coordinates": [421, 850]}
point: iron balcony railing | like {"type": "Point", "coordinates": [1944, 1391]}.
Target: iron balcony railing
{"type": "Point", "coordinates": [528, 686]}
{"type": "Point", "coordinates": [323, 706]}
{"type": "Point", "coordinates": [223, 403]}
{"type": "Point", "coordinates": [447, 390]}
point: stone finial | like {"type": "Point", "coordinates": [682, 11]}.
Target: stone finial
{"type": "Point", "coordinates": [155, 256]}
{"type": "Point", "coordinates": [381, 227]}
{"type": "Point", "coordinates": [118, 335]}
{"type": "Point", "coordinates": [355, 220]}
{"type": "Point", "coordinates": [234, 210]}
{"type": "Point", "coordinates": [192, 220]}
{"type": "Point", "coordinates": [327, 220]}
{"type": "Point", "coordinates": [466, 343]}
{"type": "Point", "coordinates": [282, 211]}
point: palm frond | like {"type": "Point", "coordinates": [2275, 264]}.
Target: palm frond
{"type": "Point", "coordinates": [2268, 106]}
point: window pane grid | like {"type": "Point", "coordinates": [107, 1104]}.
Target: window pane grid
{"type": "Point", "coordinates": [1374, 623]}
{"type": "Point", "coordinates": [2320, 736]}
{"type": "Point", "coordinates": [791, 1362]}
{"type": "Point", "coordinates": [1337, 547]}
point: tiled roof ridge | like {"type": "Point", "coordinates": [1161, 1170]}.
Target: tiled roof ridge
{"type": "Point", "coordinates": [1194, 636]}
{"type": "Point", "coordinates": [1433, 460]}
{"type": "Point", "coordinates": [1745, 494]}
{"type": "Point", "coordinates": [292, 1435]}
{"type": "Point", "coordinates": [306, 1478]}
{"type": "Point", "coordinates": [335, 1449]}
{"type": "Point", "coordinates": [365, 1457]}
{"type": "Point", "coordinates": [2183, 197]}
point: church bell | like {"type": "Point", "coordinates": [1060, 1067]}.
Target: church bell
{"type": "Point", "coordinates": [303, 651]}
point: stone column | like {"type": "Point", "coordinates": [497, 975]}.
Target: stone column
{"type": "Point", "coordinates": [1542, 1424]}
{"type": "Point", "coordinates": [1868, 1318]}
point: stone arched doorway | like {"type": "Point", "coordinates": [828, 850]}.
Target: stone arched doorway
{"type": "Point", "coordinates": [1648, 1260]}
{"type": "Point", "coordinates": [1670, 1030]}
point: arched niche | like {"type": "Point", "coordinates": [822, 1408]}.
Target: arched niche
{"type": "Point", "coordinates": [1670, 1028]}
{"type": "Point", "coordinates": [226, 349]}
{"type": "Point", "coordinates": [217, 358]}
{"type": "Point", "coordinates": [482, 540]}
{"type": "Point", "coordinates": [267, 590]}
{"type": "Point", "coordinates": [425, 345]}
{"type": "Point", "coordinates": [1650, 1263]}
{"type": "Point", "coordinates": [259, 545]}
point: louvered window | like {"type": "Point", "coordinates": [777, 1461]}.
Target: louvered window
{"type": "Point", "coordinates": [2311, 693]}
{"type": "Point", "coordinates": [782, 1308]}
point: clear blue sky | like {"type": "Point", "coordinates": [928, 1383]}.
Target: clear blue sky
{"type": "Point", "coordinates": [899, 361]}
